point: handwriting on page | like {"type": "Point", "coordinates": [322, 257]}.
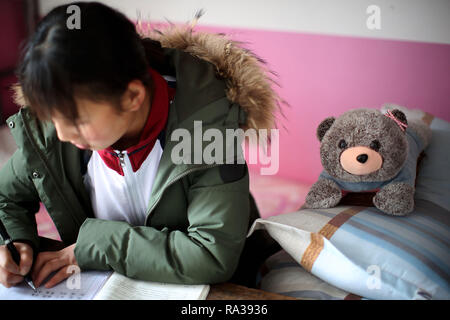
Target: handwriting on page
{"type": "Point", "coordinates": [90, 284]}
{"type": "Point", "coordinates": [106, 286]}
{"type": "Point", "coordinates": [49, 294]}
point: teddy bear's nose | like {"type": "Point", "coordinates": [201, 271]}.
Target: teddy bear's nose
{"type": "Point", "coordinates": [362, 158]}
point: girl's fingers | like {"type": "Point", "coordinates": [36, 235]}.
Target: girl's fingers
{"type": "Point", "coordinates": [26, 259]}
{"type": "Point", "coordinates": [6, 261]}
{"type": "Point", "coordinates": [41, 259]}
{"type": "Point", "coordinates": [47, 269]}
{"type": "Point", "coordinates": [52, 261]}
{"type": "Point", "coordinates": [14, 279]}
{"type": "Point", "coordinates": [9, 279]}
{"type": "Point", "coordinates": [58, 277]}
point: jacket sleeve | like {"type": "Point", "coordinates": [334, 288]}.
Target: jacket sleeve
{"type": "Point", "coordinates": [207, 252]}
{"type": "Point", "coordinates": [19, 201]}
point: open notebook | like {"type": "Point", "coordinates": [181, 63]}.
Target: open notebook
{"type": "Point", "coordinates": [97, 285]}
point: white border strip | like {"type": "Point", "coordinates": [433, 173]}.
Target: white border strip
{"type": "Point", "coordinates": [413, 20]}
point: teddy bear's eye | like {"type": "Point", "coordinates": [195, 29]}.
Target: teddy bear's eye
{"type": "Point", "coordinates": [342, 144]}
{"type": "Point", "coordinates": [375, 145]}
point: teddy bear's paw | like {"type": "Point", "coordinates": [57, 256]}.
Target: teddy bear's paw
{"type": "Point", "coordinates": [395, 199]}
{"type": "Point", "coordinates": [323, 194]}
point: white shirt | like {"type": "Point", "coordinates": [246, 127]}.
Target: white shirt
{"type": "Point", "coordinates": [122, 198]}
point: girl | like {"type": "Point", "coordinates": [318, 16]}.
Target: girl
{"type": "Point", "coordinates": [95, 146]}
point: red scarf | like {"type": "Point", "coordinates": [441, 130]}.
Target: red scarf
{"type": "Point", "coordinates": [156, 122]}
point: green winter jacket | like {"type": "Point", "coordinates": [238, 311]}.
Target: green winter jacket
{"type": "Point", "coordinates": [198, 214]}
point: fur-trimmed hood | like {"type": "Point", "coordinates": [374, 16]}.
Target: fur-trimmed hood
{"type": "Point", "coordinates": [249, 82]}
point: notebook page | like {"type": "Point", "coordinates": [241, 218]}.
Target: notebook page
{"type": "Point", "coordinates": [119, 287]}
{"type": "Point", "coordinates": [86, 288]}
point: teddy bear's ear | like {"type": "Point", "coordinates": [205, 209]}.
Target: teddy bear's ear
{"type": "Point", "coordinates": [324, 126]}
{"type": "Point", "coordinates": [399, 115]}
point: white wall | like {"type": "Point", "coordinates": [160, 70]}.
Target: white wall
{"type": "Point", "coordinates": [416, 20]}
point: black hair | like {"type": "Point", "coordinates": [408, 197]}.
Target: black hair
{"type": "Point", "coordinates": [95, 61]}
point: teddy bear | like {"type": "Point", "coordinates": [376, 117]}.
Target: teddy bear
{"type": "Point", "coordinates": [365, 150]}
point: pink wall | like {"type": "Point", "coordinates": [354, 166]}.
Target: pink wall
{"type": "Point", "coordinates": [323, 75]}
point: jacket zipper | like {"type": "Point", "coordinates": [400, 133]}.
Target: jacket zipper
{"type": "Point", "coordinates": [181, 175]}
{"type": "Point", "coordinates": [132, 188]}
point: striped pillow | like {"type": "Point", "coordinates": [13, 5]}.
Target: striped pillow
{"type": "Point", "coordinates": [281, 274]}
{"type": "Point", "coordinates": [367, 253]}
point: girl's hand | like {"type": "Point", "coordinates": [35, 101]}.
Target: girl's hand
{"type": "Point", "coordinates": [10, 273]}
{"type": "Point", "coordinates": [50, 261]}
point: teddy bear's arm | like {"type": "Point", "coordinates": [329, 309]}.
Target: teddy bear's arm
{"type": "Point", "coordinates": [396, 198]}
{"type": "Point", "coordinates": [325, 193]}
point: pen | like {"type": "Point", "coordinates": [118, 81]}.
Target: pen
{"type": "Point", "coordinates": [14, 253]}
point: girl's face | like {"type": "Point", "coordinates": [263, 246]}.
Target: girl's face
{"type": "Point", "coordinates": [100, 124]}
